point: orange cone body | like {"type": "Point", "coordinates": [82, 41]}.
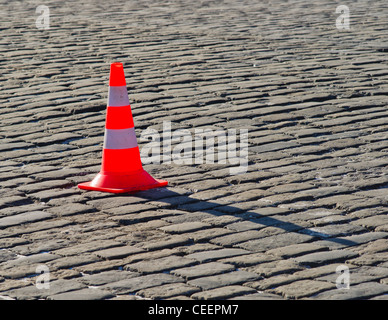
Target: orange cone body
{"type": "Point", "coordinates": [121, 168]}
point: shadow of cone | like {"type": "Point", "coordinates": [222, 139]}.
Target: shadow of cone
{"type": "Point", "coordinates": [121, 168]}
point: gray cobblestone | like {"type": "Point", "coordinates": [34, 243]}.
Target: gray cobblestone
{"type": "Point", "coordinates": [202, 270]}
{"type": "Point", "coordinates": [160, 265]}
{"type": "Point", "coordinates": [223, 293]}
{"type": "Point", "coordinates": [361, 291]}
{"type": "Point", "coordinates": [275, 241]}
{"type": "Point", "coordinates": [205, 256]}
{"type": "Point", "coordinates": [319, 258]}
{"type": "Point", "coordinates": [168, 291]}
{"type": "Point", "coordinates": [138, 283]}
{"type": "Point", "coordinates": [225, 279]}
{"type": "Point", "coordinates": [56, 287]}
{"type": "Point", "coordinates": [303, 288]}
{"type": "Point", "coordinates": [24, 218]}
{"type": "Point", "coordinates": [82, 294]}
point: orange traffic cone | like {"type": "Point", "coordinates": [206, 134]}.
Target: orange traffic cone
{"type": "Point", "coordinates": [121, 169]}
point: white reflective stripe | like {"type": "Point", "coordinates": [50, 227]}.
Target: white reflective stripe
{"type": "Point", "coordinates": [118, 96]}
{"type": "Point", "coordinates": [120, 138]}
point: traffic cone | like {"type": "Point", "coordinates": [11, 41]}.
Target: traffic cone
{"type": "Point", "coordinates": [121, 168]}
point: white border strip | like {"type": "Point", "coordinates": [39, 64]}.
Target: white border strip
{"type": "Point", "coordinates": [120, 138]}
{"type": "Point", "coordinates": [118, 96]}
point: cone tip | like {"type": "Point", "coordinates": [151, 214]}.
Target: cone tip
{"type": "Point", "coordinates": [117, 77]}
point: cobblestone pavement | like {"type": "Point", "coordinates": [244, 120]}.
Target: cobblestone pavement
{"type": "Point", "coordinates": [312, 97]}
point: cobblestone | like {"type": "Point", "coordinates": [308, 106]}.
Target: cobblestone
{"type": "Point", "coordinates": [314, 194]}
{"type": "Point", "coordinates": [324, 257]}
{"type": "Point", "coordinates": [83, 294]}
{"type": "Point", "coordinates": [56, 287]}
{"type": "Point", "coordinates": [169, 291]}
{"type": "Point", "coordinates": [360, 291]}
{"type": "Point", "coordinates": [225, 279]}
{"type": "Point", "coordinates": [204, 269]}
{"type": "Point", "coordinates": [223, 293]}
{"type": "Point", "coordinates": [138, 283]}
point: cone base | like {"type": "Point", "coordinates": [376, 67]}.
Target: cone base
{"type": "Point", "coordinates": [124, 183]}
